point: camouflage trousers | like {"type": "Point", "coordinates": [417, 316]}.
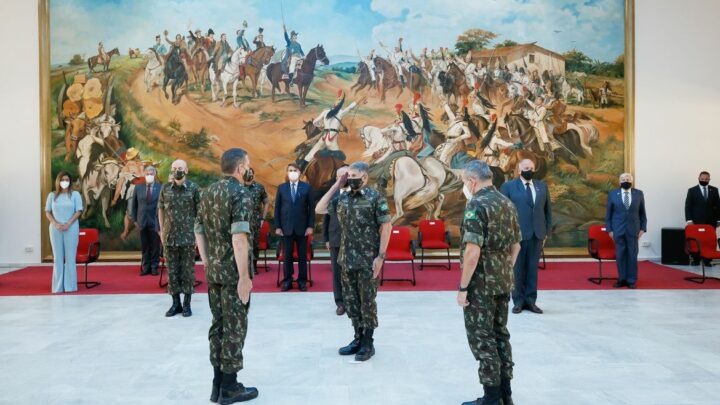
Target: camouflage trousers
{"type": "Point", "coordinates": [359, 293]}
{"type": "Point", "coordinates": [486, 326]}
{"type": "Point", "coordinates": [228, 328]}
{"type": "Point", "coordinates": [181, 269]}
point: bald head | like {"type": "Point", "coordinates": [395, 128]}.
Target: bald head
{"type": "Point", "coordinates": [179, 170]}
{"type": "Point", "coordinates": [179, 165]}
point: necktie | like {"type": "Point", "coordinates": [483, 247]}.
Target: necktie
{"type": "Point", "coordinates": [528, 192]}
{"type": "Point", "coordinates": [294, 192]}
{"type": "Point", "coordinates": [626, 200]}
{"type": "Point", "coordinates": [704, 189]}
{"type": "Point", "coordinates": [148, 192]}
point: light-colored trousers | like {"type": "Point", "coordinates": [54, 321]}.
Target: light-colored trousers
{"type": "Point", "coordinates": [64, 247]}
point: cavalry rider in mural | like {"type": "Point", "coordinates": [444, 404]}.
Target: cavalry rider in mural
{"type": "Point", "coordinates": [258, 40]}
{"type": "Point", "coordinates": [223, 52]}
{"type": "Point", "coordinates": [403, 131]}
{"type": "Point", "coordinates": [242, 42]}
{"type": "Point", "coordinates": [293, 53]}
{"type": "Point", "coordinates": [330, 122]}
{"type": "Point", "coordinates": [102, 56]}
{"type": "Point", "coordinates": [397, 59]}
{"type": "Point", "coordinates": [537, 119]}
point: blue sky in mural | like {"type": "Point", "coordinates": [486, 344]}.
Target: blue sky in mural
{"type": "Point", "coordinates": [594, 26]}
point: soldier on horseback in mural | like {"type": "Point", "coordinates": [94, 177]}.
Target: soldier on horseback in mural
{"type": "Point", "coordinates": [222, 53]}
{"type": "Point", "coordinates": [178, 47]}
{"type": "Point", "coordinates": [159, 47]}
{"type": "Point", "coordinates": [369, 61]}
{"type": "Point", "coordinates": [453, 152]}
{"type": "Point", "coordinates": [397, 59]}
{"type": "Point", "coordinates": [102, 56]}
{"type": "Point", "coordinates": [258, 40]}
{"type": "Point", "coordinates": [293, 54]}
{"type": "Point", "coordinates": [330, 122]}
{"type": "Point", "coordinates": [537, 116]}
{"type": "Point", "coordinates": [210, 43]}
{"type": "Point", "coordinates": [241, 41]}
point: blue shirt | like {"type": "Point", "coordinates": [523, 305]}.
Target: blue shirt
{"type": "Point", "coordinates": [65, 206]}
{"type": "Point", "coordinates": [160, 49]}
{"type": "Point", "coordinates": [293, 47]}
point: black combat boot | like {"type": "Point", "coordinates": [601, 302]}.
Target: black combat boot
{"type": "Point", "coordinates": [176, 307]}
{"type": "Point", "coordinates": [367, 349]}
{"type": "Point", "coordinates": [217, 380]}
{"type": "Point", "coordinates": [232, 391]}
{"type": "Point", "coordinates": [186, 311]}
{"type": "Point", "coordinates": [354, 346]}
{"type": "Point", "coordinates": [506, 391]}
{"type": "Point", "coordinates": [492, 397]}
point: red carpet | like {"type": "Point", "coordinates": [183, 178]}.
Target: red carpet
{"type": "Point", "coordinates": [124, 279]}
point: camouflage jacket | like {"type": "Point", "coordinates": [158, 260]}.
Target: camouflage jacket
{"type": "Point", "coordinates": [222, 212]}
{"type": "Point", "coordinates": [259, 197]}
{"type": "Point", "coordinates": [491, 222]}
{"type": "Point", "coordinates": [179, 205]}
{"type": "Point", "coordinates": [360, 215]}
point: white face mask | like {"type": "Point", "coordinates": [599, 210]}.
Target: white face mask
{"type": "Point", "coordinates": [467, 192]}
{"type": "Point", "coordinates": [64, 184]}
{"type": "Point", "coordinates": [149, 178]}
{"type": "Point", "coordinates": [293, 176]}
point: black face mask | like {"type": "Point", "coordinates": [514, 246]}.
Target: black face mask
{"type": "Point", "coordinates": [626, 185]}
{"type": "Point", "coordinates": [704, 183]}
{"type": "Point", "coordinates": [527, 174]}
{"type": "Point", "coordinates": [249, 175]}
{"type": "Point", "coordinates": [355, 184]}
{"type": "Point", "coordinates": [179, 174]}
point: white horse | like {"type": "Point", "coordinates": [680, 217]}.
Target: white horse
{"type": "Point", "coordinates": [153, 70]}
{"type": "Point", "coordinates": [97, 185]}
{"type": "Point", "coordinates": [565, 88]}
{"type": "Point", "coordinates": [414, 183]}
{"type": "Point", "coordinates": [578, 94]}
{"type": "Point", "coordinates": [230, 73]}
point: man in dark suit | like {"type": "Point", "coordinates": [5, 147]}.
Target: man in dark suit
{"type": "Point", "coordinates": [626, 222]}
{"type": "Point", "coordinates": [702, 206]}
{"type": "Point", "coordinates": [532, 200]}
{"type": "Point", "coordinates": [145, 216]}
{"type": "Point", "coordinates": [331, 235]}
{"type": "Point", "coordinates": [294, 221]}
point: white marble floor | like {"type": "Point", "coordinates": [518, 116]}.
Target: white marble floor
{"type": "Point", "coordinates": [590, 347]}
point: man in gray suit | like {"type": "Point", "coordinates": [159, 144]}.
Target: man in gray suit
{"type": "Point", "coordinates": [532, 200]}
{"type": "Point", "coordinates": [145, 215]}
{"type": "Point", "coordinates": [331, 234]}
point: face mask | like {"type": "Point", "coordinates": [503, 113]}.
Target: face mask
{"type": "Point", "coordinates": [355, 184]}
{"type": "Point", "coordinates": [293, 176]}
{"type": "Point", "coordinates": [704, 183]}
{"type": "Point", "coordinates": [149, 178]}
{"type": "Point", "coordinates": [527, 174]}
{"type": "Point", "coordinates": [249, 175]}
{"type": "Point", "coordinates": [467, 192]}
{"type": "Point", "coordinates": [179, 174]}
{"type": "Point", "coordinates": [626, 185]}
{"type": "Point", "coordinates": [64, 184]}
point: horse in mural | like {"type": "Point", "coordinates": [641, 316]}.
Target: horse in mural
{"type": "Point", "coordinates": [96, 60]}
{"type": "Point", "coordinates": [256, 61]}
{"type": "Point", "coordinates": [97, 187]}
{"type": "Point", "coordinates": [388, 78]}
{"type": "Point", "coordinates": [304, 76]}
{"type": "Point", "coordinates": [174, 70]}
{"type": "Point", "coordinates": [321, 172]}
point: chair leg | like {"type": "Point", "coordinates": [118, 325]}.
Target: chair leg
{"type": "Point", "coordinates": [278, 275]}
{"type": "Point", "coordinates": [267, 268]}
{"type": "Point", "coordinates": [162, 272]}
{"type": "Point", "coordinates": [86, 283]}
{"type": "Point", "coordinates": [701, 280]}
{"type": "Point", "coordinates": [310, 273]}
{"type": "Point", "coordinates": [448, 256]}
{"type": "Point", "coordinates": [422, 258]}
{"type": "Point", "coordinates": [598, 280]}
{"type": "Point", "coordinates": [412, 262]}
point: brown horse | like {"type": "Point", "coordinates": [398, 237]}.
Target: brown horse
{"type": "Point", "coordinates": [453, 83]}
{"type": "Point", "coordinates": [364, 79]}
{"type": "Point", "coordinates": [383, 68]}
{"type": "Point", "coordinates": [95, 60]}
{"type": "Point", "coordinates": [304, 77]}
{"type": "Point", "coordinates": [321, 172]}
{"type": "Point", "coordinates": [254, 64]}
{"type": "Point", "coordinates": [199, 67]}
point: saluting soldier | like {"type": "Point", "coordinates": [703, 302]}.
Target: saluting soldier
{"type": "Point", "coordinates": [258, 211]}
{"type": "Point", "coordinates": [490, 244]}
{"type": "Point", "coordinates": [177, 208]}
{"type": "Point", "coordinates": [221, 231]}
{"type": "Point", "coordinates": [364, 219]}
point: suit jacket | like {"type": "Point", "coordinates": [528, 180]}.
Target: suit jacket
{"type": "Point", "coordinates": [144, 211]}
{"type": "Point", "coordinates": [331, 227]}
{"type": "Point", "coordinates": [535, 219]}
{"type": "Point", "coordinates": [702, 211]}
{"type": "Point", "coordinates": [294, 217]}
{"type": "Point", "coordinates": [621, 221]}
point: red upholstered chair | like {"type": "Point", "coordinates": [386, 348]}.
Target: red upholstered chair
{"type": "Point", "coordinates": [432, 235]}
{"type": "Point", "coordinates": [601, 247]}
{"type": "Point", "coordinates": [280, 258]}
{"type": "Point", "coordinates": [401, 248]}
{"type": "Point", "coordinates": [263, 243]}
{"type": "Point", "coordinates": [701, 240]}
{"type": "Point", "coordinates": [88, 251]}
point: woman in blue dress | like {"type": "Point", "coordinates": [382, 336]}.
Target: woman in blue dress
{"type": "Point", "coordinates": [62, 209]}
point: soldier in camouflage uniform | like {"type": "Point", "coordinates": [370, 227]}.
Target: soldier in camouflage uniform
{"type": "Point", "coordinates": [490, 245]}
{"type": "Point", "coordinates": [177, 207]}
{"type": "Point", "coordinates": [364, 219]}
{"type": "Point", "coordinates": [260, 204]}
{"type": "Point", "coordinates": [221, 231]}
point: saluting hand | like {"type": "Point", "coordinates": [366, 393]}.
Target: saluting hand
{"type": "Point", "coordinates": [340, 182]}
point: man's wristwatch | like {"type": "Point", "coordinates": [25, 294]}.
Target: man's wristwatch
{"type": "Point", "coordinates": [381, 255]}
{"type": "Point", "coordinates": [461, 288]}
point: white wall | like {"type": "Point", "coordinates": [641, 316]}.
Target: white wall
{"type": "Point", "coordinates": [677, 93]}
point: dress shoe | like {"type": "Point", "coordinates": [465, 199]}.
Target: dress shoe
{"type": "Point", "coordinates": [708, 263]}
{"type": "Point", "coordinates": [176, 307]}
{"type": "Point", "coordinates": [533, 308]}
{"type": "Point", "coordinates": [302, 286]}
{"type": "Point", "coordinates": [354, 346]}
{"type": "Point", "coordinates": [517, 309]}
{"type": "Point", "coordinates": [145, 272]}
{"type": "Point", "coordinates": [155, 272]}
{"type": "Point", "coordinates": [619, 284]}
{"type": "Point", "coordinates": [367, 349]}
{"type": "Point", "coordinates": [286, 286]}
{"type": "Point", "coordinates": [631, 286]}
{"type": "Point", "coordinates": [186, 311]}
{"type": "Point", "coordinates": [340, 311]}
